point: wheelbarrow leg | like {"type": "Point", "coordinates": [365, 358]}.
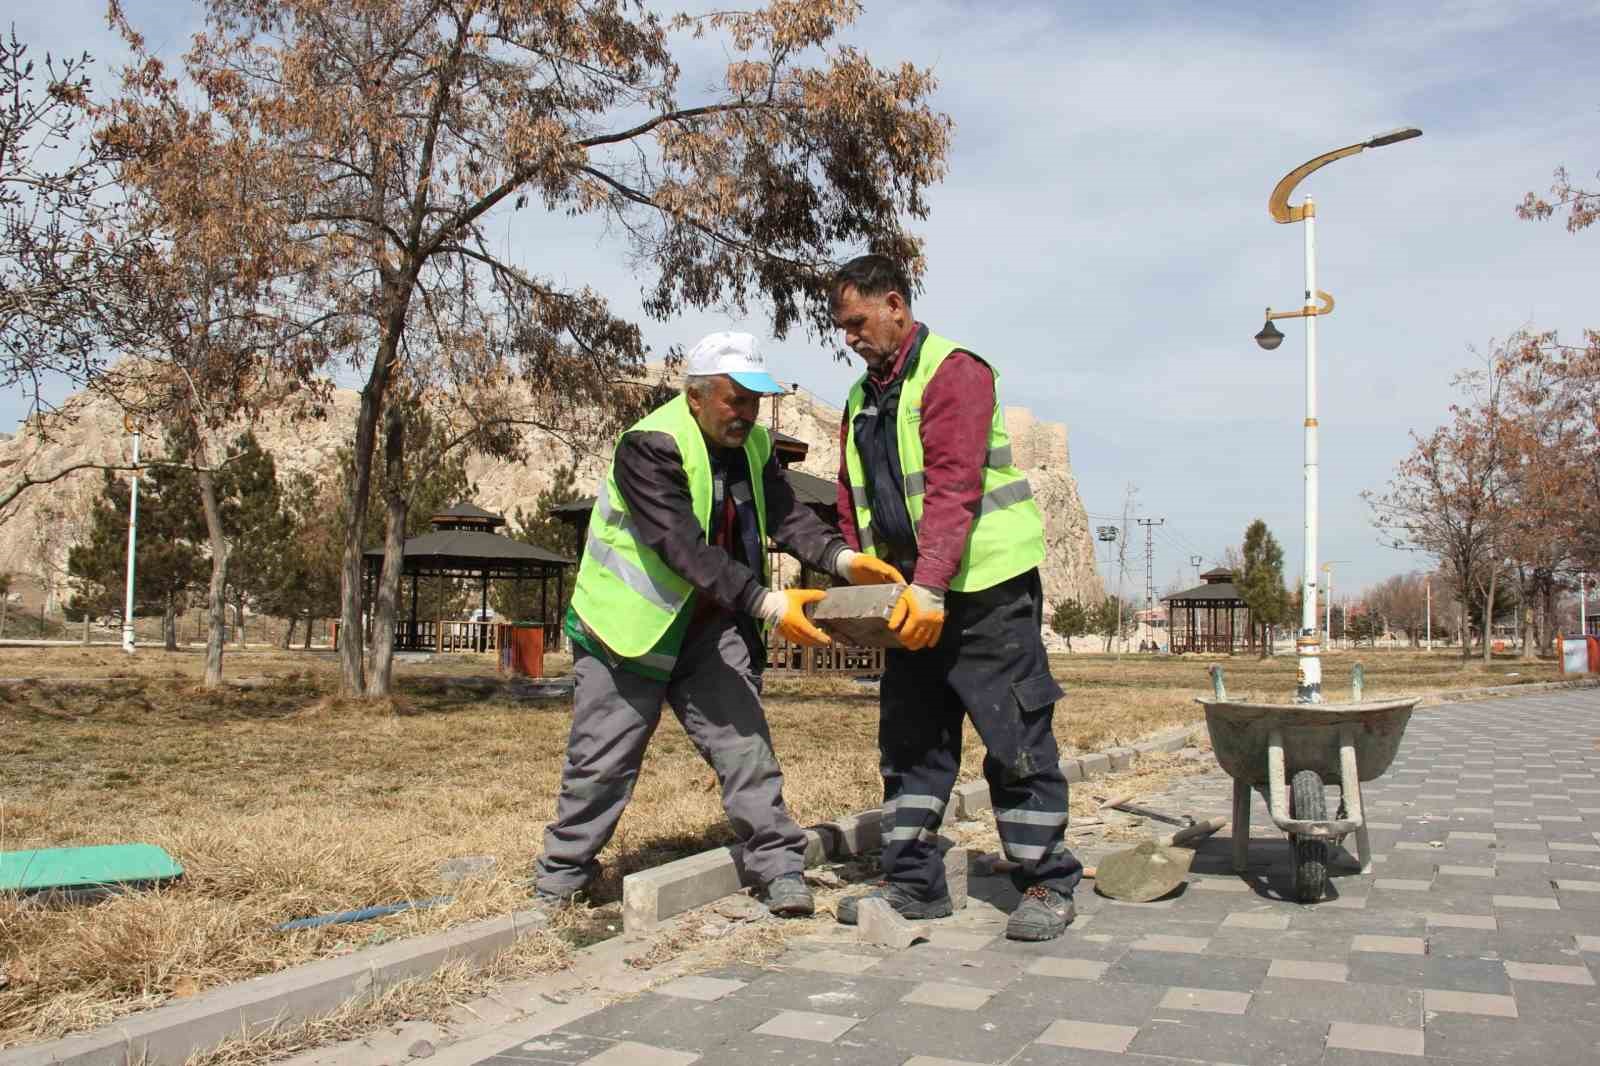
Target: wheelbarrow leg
{"type": "Point", "coordinates": [1241, 825]}
{"type": "Point", "coordinates": [1350, 787]}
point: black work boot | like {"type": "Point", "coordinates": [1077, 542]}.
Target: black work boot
{"type": "Point", "coordinates": [789, 897]}
{"type": "Point", "coordinates": [1043, 914]}
{"type": "Point", "coordinates": [899, 898]}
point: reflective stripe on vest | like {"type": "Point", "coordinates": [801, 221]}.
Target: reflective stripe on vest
{"type": "Point", "coordinates": [1007, 534]}
{"type": "Point", "coordinates": [626, 595]}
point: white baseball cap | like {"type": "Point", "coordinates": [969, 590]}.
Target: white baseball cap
{"type": "Point", "coordinates": [733, 354]}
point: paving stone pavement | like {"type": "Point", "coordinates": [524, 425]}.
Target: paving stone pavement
{"type": "Point", "coordinates": [1475, 939]}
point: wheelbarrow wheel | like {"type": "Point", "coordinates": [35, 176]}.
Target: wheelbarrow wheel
{"type": "Point", "coordinates": [1307, 802]}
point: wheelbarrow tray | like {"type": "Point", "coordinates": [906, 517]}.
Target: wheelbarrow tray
{"type": "Point", "coordinates": [1311, 735]}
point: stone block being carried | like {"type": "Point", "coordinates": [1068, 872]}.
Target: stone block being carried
{"type": "Point", "coordinates": [859, 614]}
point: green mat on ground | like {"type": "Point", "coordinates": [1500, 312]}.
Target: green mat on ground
{"type": "Point", "coordinates": [104, 864]}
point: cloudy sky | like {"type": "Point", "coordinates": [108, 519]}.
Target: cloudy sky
{"type": "Point", "coordinates": [1102, 234]}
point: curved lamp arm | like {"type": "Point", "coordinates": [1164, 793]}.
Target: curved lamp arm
{"type": "Point", "coordinates": [1326, 307]}
{"type": "Point", "coordinates": [1278, 202]}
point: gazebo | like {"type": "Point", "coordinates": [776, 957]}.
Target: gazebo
{"type": "Point", "coordinates": [464, 545]}
{"type": "Point", "coordinates": [1211, 617]}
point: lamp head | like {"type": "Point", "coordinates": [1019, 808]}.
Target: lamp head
{"type": "Point", "coordinates": [1404, 133]}
{"type": "Point", "coordinates": [1270, 336]}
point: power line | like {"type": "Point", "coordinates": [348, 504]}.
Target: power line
{"type": "Point", "coordinates": [1150, 525]}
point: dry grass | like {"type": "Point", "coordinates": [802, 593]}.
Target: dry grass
{"type": "Point", "coordinates": [281, 801]}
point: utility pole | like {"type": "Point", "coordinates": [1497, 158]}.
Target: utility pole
{"type": "Point", "coordinates": [1427, 591]}
{"type": "Point", "coordinates": [1149, 525]}
{"type": "Point", "coordinates": [1195, 561]}
{"type": "Point", "coordinates": [133, 537]}
{"type": "Point", "coordinates": [1122, 561]}
{"type": "Point", "coordinates": [1583, 604]}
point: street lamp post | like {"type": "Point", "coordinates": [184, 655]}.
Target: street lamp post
{"type": "Point", "coordinates": [1327, 604]}
{"type": "Point", "coordinates": [1308, 688]}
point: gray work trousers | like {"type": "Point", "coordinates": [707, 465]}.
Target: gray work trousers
{"type": "Point", "coordinates": [715, 693]}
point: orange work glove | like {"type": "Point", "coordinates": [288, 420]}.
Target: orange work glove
{"type": "Point", "coordinates": [786, 611]}
{"type": "Point", "coordinates": [918, 617]}
{"type": "Point", "coordinates": [859, 568]}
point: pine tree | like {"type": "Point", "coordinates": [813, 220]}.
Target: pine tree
{"type": "Point", "coordinates": [1070, 619]}
{"type": "Point", "coordinates": [1260, 582]}
{"type": "Point", "coordinates": [168, 564]}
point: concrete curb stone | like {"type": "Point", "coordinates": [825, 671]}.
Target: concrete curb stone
{"type": "Point", "coordinates": [170, 1034]}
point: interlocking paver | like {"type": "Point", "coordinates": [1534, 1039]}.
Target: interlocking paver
{"type": "Point", "coordinates": [807, 1025]}
{"type": "Point", "coordinates": [1477, 941]}
{"type": "Point", "coordinates": [1090, 1036]}
{"type": "Point", "coordinates": [1533, 971]}
{"type": "Point", "coordinates": [1388, 1039]}
{"type": "Point", "coordinates": [629, 1053]}
{"type": "Point", "coordinates": [950, 997]}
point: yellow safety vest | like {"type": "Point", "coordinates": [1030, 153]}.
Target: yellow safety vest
{"type": "Point", "coordinates": [626, 595]}
{"type": "Point", "coordinates": [1007, 535]}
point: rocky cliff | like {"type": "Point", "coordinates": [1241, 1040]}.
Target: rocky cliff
{"type": "Point", "coordinates": [35, 536]}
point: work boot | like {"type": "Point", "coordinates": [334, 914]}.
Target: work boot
{"type": "Point", "coordinates": [789, 897]}
{"type": "Point", "coordinates": [1043, 914]}
{"type": "Point", "coordinates": [898, 897]}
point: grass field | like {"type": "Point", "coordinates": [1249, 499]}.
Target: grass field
{"type": "Point", "coordinates": [282, 802]}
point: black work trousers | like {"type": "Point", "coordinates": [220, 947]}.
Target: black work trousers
{"type": "Point", "coordinates": [989, 663]}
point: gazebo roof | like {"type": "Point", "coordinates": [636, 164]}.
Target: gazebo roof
{"type": "Point", "coordinates": [466, 514]}
{"type": "Point", "coordinates": [1211, 591]}
{"type": "Point", "coordinates": [466, 551]}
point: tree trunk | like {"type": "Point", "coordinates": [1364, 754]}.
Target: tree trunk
{"type": "Point", "coordinates": [169, 624]}
{"type": "Point", "coordinates": [307, 645]}
{"type": "Point", "coordinates": [85, 629]}
{"type": "Point", "coordinates": [1462, 614]}
{"type": "Point", "coordinates": [288, 634]}
{"type": "Point", "coordinates": [380, 677]}
{"type": "Point", "coordinates": [4, 603]}
{"type": "Point", "coordinates": [238, 620]}
{"type": "Point", "coordinates": [1488, 617]}
{"type": "Point", "coordinates": [216, 601]}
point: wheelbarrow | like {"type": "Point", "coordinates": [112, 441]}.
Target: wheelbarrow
{"type": "Point", "coordinates": [1286, 752]}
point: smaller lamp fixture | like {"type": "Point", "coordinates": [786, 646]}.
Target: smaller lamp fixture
{"type": "Point", "coordinates": [1270, 336]}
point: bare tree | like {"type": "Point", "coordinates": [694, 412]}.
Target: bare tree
{"type": "Point", "coordinates": [387, 133]}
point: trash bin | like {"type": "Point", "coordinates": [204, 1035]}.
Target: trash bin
{"type": "Point", "coordinates": [1594, 655]}
{"type": "Point", "coordinates": [522, 649]}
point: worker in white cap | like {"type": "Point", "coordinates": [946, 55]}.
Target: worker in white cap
{"type": "Point", "coordinates": [672, 606]}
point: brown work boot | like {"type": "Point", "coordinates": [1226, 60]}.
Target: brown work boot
{"type": "Point", "coordinates": [1043, 914]}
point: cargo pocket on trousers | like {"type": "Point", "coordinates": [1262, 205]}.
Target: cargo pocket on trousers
{"type": "Point", "coordinates": [1034, 695]}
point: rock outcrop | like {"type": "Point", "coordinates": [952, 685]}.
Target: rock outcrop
{"type": "Point", "coordinates": [44, 521]}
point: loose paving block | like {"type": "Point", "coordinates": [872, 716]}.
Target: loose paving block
{"type": "Point", "coordinates": [1095, 764]}
{"type": "Point", "coordinates": [859, 614]}
{"type": "Point", "coordinates": [956, 864]}
{"type": "Point", "coordinates": [1401, 884]}
{"type": "Point", "coordinates": [1072, 770]}
{"type": "Point", "coordinates": [1589, 943]}
{"type": "Point", "coordinates": [878, 923]}
{"type": "Point", "coordinates": [651, 896]}
{"type": "Point", "coordinates": [1466, 871]}
{"type": "Point", "coordinates": [1385, 1039]}
{"type": "Point", "coordinates": [1089, 1036]}
{"type": "Point", "coordinates": [1211, 1000]}
{"type": "Point", "coordinates": [970, 799]}
{"type": "Point", "coordinates": [1469, 1003]}
{"type": "Point", "coordinates": [1578, 886]}
{"type": "Point", "coordinates": [1121, 758]}
{"type": "Point", "coordinates": [852, 835]}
